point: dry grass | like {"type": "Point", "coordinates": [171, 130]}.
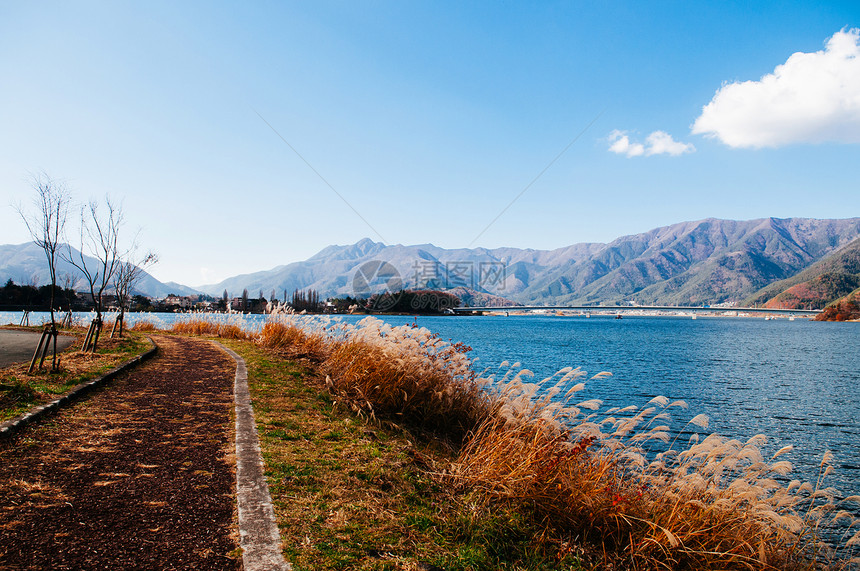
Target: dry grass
{"type": "Point", "coordinates": [294, 340]}
{"type": "Point", "coordinates": [144, 327]}
{"type": "Point", "coordinates": [572, 470]}
{"type": "Point", "coordinates": [409, 375]}
{"type": "Point", "coordinates": [214, 326]}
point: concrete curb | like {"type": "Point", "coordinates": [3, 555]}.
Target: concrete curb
{"type": "Point", "coordinates": [12, 426]}
{"type": "Point", "coordinates": [259, 537]}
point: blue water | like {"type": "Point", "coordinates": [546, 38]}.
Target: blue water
{"type": "Point", "coordinates": [797, 382]}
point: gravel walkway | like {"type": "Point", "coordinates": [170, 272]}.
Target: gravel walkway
{"type": "Point", "coordinates": [138, 476]}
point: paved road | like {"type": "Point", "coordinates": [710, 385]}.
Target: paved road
{"type": "Point", "coordinates": [19, 346]}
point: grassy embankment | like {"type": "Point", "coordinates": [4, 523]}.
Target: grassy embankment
{"type": "Point", "coordinates": [384, 451]}
{"type": "Point", "coordinates": [20, 390]}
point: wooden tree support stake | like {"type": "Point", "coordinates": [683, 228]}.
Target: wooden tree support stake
{"type": "Point", "coordinates": [95, 339]}
{"type": "Point", "coordinates": [117, 323]}
{"type": "Point", "coordinates": [88, 336]}
{"type": "Point", "coordinates": [92, 338]}
{"type": "Point", "coordinates": [48, 333]}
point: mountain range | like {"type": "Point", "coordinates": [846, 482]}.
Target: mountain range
{"type": "Point", "coordinates": [26, 264]}
{"type": "Point", "coordinates": [708, 262]}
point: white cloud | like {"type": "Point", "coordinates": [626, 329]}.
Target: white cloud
{"type": "Point", "coordinates": [811, 98]}
{"type": "Point", "coordinates": [657, 143]}
{"type": "Point", "coordinates": [620, 144]}
{"type": "Point", "coordinates": [662, 143]}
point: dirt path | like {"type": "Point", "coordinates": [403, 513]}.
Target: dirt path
{"type": "Point", "coordinates": [138, 476]}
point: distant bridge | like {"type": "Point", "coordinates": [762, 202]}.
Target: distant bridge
{"type": "Point", "coordinates": [631, 308]}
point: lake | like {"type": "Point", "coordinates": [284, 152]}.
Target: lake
{"type": "Point", "coordinates": [797, 382]}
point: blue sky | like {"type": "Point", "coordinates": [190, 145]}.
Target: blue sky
{"type": "Point", "coordinates": [428, 119]}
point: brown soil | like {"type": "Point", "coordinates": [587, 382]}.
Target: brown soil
{"type": "Point", "coordinates": [138, 476]}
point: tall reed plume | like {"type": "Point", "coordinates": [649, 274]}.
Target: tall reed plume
{"type": "Point", "coordinates": [711, 504]}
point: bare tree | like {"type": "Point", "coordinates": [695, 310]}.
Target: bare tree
{"type": "Point", "coordinates": [99, 238]}
{"type": "Point", "coordinates": [128, 272]}
{"type": "Point", "coordinates": [46, 225]}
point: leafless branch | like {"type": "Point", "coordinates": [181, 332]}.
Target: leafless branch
{"type": "Point", "coordinates": [128, 273]}
{"type": "Point", "coordinates": [99, 239]}
{"type": "Point", "coordinates": [46, 224]}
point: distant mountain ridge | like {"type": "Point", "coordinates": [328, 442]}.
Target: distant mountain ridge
{"type": "Point", "coordinates": [691, 263]}
{"type": "Point", "coordinates": [704, 262]}
{"type": "Point", "coordinates": [26, 263]}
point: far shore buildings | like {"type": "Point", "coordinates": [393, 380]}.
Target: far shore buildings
{"type": "Point", "coordinates": [179, 302]}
